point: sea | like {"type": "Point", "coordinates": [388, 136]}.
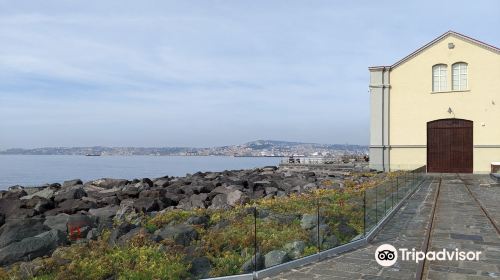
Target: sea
{"type": "Point", "coordinates": [36, 170]}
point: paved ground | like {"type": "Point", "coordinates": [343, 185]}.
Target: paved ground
{"type": "Point", "coordinates": [459, 223]}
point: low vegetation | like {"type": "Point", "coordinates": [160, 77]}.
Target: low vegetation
{"type": "Point", "coordinates": [227, 239]}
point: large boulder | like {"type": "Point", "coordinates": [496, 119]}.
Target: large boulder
{"type": "Point", "coordinates": [59, 222]}
{"type": "Point", "coordinates": [181, 234]}
{"type": "Point", "coordinates": [39, 204]}
{"type": "Point", "coordinates": [309, 221]}
{"type": "Point", "coordinates": [275, 257]}
{"type": "Point", "coordinates": [71, 183]}
{"type": "Point", "coordinates": [255, 262]}
{"type": "Point", "coordinates": [147, 204]}
{"type": "Point", "coordinates": [75, 192]}
{"type": "Point", "coordinates": [47, 193]}
{"type": "Point", "coordinates": [219, 202]}
{"type": "Point", "coordinates": [127, 213]}
{"type": "Point", "coordinates": [32, 247]}
{"type": "Point", "coordinates": [78, 226]}
{"type": "Point", "coordinates": [14, 208]}
{"type": "Point", "coordinates": [119, 231]}
{"type": "Point", "coordinates": [108, 183]}
{"type": "Point", "coordinates": [194, 201]}
{"type": "Point", "coordinates": [16, 230]}
{"type": "Point", "coordinates": [235, 197]}
{"type": "Point", "coordinates": [104, 216]}
{"type": "Point", "coordinates": [295, 249]}
{"type": "Point", "coordinates": [72, 206]}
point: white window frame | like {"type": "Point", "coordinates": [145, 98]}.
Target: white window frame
{"type": "Point", "coordinates": [459, 76]}
{"type": "Point", "coordinates": [439, 77]}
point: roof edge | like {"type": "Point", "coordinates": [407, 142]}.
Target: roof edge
{"type": "Point", "coordinates": [431, 43]}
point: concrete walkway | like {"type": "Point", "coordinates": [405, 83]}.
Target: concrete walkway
{"type": "Point", "coordinates": [459, 223]}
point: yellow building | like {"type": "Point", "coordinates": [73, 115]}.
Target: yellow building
{"type": "Point", "coordinates": [439, 107]}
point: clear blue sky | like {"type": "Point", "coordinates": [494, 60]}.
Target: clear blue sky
{"type": "Point", "coordinates": [204, 73]}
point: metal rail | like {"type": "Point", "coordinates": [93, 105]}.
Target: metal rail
{"type": "Point", "coordinates": [425, 247]}
{"type": "Point", "coordinates": [483, 209]}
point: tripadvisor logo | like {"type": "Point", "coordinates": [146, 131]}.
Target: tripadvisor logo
{"type": "Point", "coordinates": [387, 255]}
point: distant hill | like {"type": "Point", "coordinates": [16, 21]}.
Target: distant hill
{"type": "Point", "coordinates": [253, 148]}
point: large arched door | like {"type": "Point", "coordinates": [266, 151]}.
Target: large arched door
{"type": "Point", "coordinates": [449, 146]}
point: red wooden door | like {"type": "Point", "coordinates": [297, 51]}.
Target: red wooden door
{"type": "Point", "coordinates": [449, 146]}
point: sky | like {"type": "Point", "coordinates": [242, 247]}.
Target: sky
{"type": "Point", "coordinates": [207, 73]}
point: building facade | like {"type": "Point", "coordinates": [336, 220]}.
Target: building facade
{"type": "Point", "coordinates": [439, 107]}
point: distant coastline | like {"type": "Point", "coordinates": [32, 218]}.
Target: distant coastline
{"type": "Point", "coordinates": [259, 148]}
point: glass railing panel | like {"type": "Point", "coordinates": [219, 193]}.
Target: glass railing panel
{"type": "Point", "coordinates": [228, 242]}
{"type": "Point", "coordinates": [286, 228]}
{"type": "Point", "coordinates": [341, 217]}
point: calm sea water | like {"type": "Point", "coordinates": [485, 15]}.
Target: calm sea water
{"type": "Point", "coordinates": [27, 170]}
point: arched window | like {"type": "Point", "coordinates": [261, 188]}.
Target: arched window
{"type": "Point", "coordinates": [439, 77]}
{"type": "Point", "coordinates": [459, 76]}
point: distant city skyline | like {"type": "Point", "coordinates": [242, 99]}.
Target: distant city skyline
{"type": "Point", "coordinates": [207, 73]}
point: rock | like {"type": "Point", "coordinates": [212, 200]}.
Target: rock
{"type": "Point", "coordinates": [32, 247]}
{"type": "Point", "coordinates": [59, 222]}
{"type": "Point", "coordinates": [226, 189]}
{"type": "Point", "coordinates": [219, 202]}
{"type": "Point", "coordinates": [347, 230]}
{"type": "Point", "coordinates": [147, 204]}
{"type": "Point", "coordinates": [125, 238]}
{"type": "Point", "coordinates": [104, 216]}
{"type": "Point", "coordinates": [61, 255]}
{"type": "Point", "coordinates": [326, 237]}
{"type": "Point", "coordinates": [16, 230]}
{"type": "Point", "coordinates": [108, 201]}
{"type": "Point", "coordinates": [39, 204]}
{"type": "Point", "coordinates": [310, 187]}
{"type": "Point", "coordinates": [171, 199]}
{"type": "Point", "coordinates": [47, 193]}
{"type": "Point", "coordinates": [282, 218]}
{"type": "Point", "coordinates": [198, 220]}
{"type": "Point", "coordinates": [78, 226]}
{"type": "Point", "coordinates": [75, 192]}
{"type": "Point", "coordinates": [234, 197]}
{"type": "Point", "coordinates": [127, 213]}
{"type": "Point", "coordinates": [308, 221]}
{"type": "Point", "coordinates": [15, 193]}
{"type": "Point", "coordinates": [120, 230]}
{"type": "Point", "coordinates": [181, 234]}
{"type": "Point", "coordinates": [271, 190]}
{"type": "Point", "coordinates": [329, 241]}
{"type": "Point", "coordinates": [269, 168]}
{"type": "Point", "coordinates": [72, 206]}
{"type": "Point", "coordinates": [13, 208]}
{"type": "Point", "coordinates": [200, 267]}
{"type": "Point", "coordinates": [93, 234]}
{"type": "Point", "coordinates": [194, 201]}
{"type": "Point", "coordinates": [161, 182]}
{"type": "Point", "coordinates": [128, 191]}
{"type": "Point", "coordinates": [71, 183]}
{"type": "Point", "coordinates": [211, 176]}
{"type": "Point", "coordinates": [255, 262]}
{"type": "Point", "coordinates": [310, 174]}
{"type": "Point", "coordinates": [28, 270]}
{"type": "Point", "coordinates": [275, 257]}
{"type": "Point", "coordinates": [108, 183]}
{"type": "Point", "coordinates": [295, 249]}
{"type": "Point", "coordinates": [155, 193]}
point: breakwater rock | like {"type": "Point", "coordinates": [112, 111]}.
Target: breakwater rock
{"type": "Point", "coordinates": [36, 221]}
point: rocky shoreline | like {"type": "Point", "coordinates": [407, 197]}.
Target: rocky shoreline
{"type": "Point", "coordinates": [36, 221]}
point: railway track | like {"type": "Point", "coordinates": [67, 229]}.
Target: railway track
{"type": "Point", "coordinates": [423, 266]}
